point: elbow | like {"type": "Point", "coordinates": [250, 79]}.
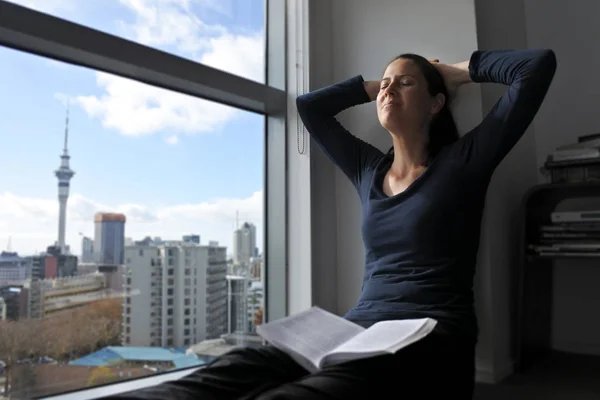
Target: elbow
{"type": "Point", "coordinates": [302, 104]}
{"type": "Point", "coordinates": [548, 61]}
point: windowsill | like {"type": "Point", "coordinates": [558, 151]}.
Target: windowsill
{"type": "Point", "coordinates": [123, 387]}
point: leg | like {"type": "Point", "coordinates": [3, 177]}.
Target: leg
{"type": "Point", "coordinates": [433, 368]}
{"type": "Point", "coordinates": [237, 373]}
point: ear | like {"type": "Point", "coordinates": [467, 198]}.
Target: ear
{"type": "Point", "coordinates": [438, 103]}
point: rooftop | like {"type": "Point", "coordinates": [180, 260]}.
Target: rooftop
{"type": "Point", "coordinates": [111, 354]}
{"type": "Point", "coordinates": [105, 217]}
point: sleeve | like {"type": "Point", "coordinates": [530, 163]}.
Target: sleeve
{"type": "Point", "coordinates": [528, 73]}
{"type": "Point", "coordinates": [318, 109]}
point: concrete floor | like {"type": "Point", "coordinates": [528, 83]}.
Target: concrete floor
{"type": "Point", "coordinates": [561, 377]}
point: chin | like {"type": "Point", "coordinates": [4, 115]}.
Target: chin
{"type": "Point", "coordinates": [389, 123]}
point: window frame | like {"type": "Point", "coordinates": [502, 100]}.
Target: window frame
{"type": "Point", "coordinates": [55, 38]}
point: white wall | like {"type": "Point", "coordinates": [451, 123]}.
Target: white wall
{"type": "Point", "coordinates": [570, 110]}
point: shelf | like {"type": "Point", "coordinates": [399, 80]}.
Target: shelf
{"type": "Point", "coordinates": [534, 280]}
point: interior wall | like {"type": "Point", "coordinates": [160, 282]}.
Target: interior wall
{"type": "Point", "coordinates": [502, 25]}
{"type": "Point", "coordinates": [570, 110]}
{"type": "Point", "coordinates": [324, 238]}
{"type": "Point", "coordinates": [364, 37]}
{"type": "Point", "coordinates": [350, 37]}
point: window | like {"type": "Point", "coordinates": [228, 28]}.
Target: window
{"type": "Point", "coordinates": [213, 33]}
{"type": "Point", "coordinates": [164, 145]}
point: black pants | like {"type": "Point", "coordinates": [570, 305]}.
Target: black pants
{"type": "Point", "coordinates": [437, 367]}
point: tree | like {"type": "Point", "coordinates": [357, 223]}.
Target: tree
{"type": "Point", "coordinates": [18, 339]}
{"type": "Point", "coordinates": [101, 375]}
{"type": "Point", "coordinates": [77, 332]}
{"type": "Point", "coordinates": [258, 317]}
{"type": "Point", "coordinates": [109, 308]}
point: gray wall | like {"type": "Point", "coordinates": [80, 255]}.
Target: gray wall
{"type": "Point", "coordinates": [501, 25]}
{"type": "Point", "coordinates": [350, 37]}
{"type": "Point", "coordinates": [571, 110]}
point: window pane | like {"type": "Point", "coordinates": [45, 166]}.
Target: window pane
{"type": "Point", "coordinates": [224, 34]}
{"type": "Point", "coordinates": [166, 197]}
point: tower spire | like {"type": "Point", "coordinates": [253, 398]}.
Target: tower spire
{"type": "Point", "coordinates": [64, 174]}
{"type": "Point", "coordinates": [65, 147]}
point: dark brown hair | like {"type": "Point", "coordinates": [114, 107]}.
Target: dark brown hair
{"type": "Point", "coordinates": [442, 131]}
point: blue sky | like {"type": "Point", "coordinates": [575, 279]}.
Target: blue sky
{"type": "Point", "coordinates": [172, 163]}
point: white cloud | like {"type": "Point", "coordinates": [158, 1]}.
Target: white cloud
{"type": "Point", "coordinates": [237, 54]}
{"type": "Point", "coordinates": [172, 140]}
{"type": "Point", "coordinates": [32, 224]}
{"type": "Point", "coordinates": [47, 6]}
{"type": "Point", "coordinates": [168, 23]}
{"type": "Point", "coordinates": [135, 109]}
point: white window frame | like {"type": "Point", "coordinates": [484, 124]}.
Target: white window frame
{"type": "Point", "coordinates": [37, 33]}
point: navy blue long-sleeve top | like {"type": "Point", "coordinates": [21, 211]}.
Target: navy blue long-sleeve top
{"type": "Point", "coordinates": [421, 244]}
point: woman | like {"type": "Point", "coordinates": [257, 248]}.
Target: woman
{"type": "Point", "coordinates": [422, 207]}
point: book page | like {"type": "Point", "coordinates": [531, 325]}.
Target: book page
{"type": "Point", "coordinates": [385, 337]}
{"type": "Point", "coordinates": [310, 334]}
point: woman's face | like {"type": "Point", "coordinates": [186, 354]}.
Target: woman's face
{"type": "Point", "coordinates": [404, 101]}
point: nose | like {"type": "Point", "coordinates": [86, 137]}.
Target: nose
{"type": "Point", "coordinates": [389, 91]}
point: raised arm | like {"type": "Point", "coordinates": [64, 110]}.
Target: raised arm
{"type": "Point", "coordinates": [529, 74]}
{"type": "Point", "coordinates": [318, 110]}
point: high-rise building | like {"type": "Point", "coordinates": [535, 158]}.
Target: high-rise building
{"type": "Point", "coordinates": [13, 268]}
{"type": "Point", "coordinates": [256, 304]}
{"type": "Point", "coordinates": [237, 303]}
{"type": "Point", "coordinates": [244, 243]}
{"type": "Point", "coordinates": [175, 294]}
{"type": "Point", "coordinates": [64, 174]}
{"type": "Point", "coordinates": [15, 306]}
{"type": "Point", "coordinates": [245, 299]}
{"type": "Point", "coordinates": [109, 239]}
{"type": "Point", "coordinates": [87, 249]}
{"type": "Point", "coordinates": [256, 268]}
{"type": "Point", "coordinates": [53, 264]}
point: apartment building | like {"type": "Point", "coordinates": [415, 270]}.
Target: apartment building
{"type": "Point", "coordinates": [47, 296]}
{"type": "Point", "coordinates": [175, 294]}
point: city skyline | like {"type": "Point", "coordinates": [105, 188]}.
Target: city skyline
{"type": "Point", "coordinates": [154, 155]}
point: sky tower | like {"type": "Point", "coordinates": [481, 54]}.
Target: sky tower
{"type": "Point", "coordinates": [64, 175]}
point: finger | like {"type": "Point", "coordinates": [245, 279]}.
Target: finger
{"type": "Point", "coordinates": [434, 60]}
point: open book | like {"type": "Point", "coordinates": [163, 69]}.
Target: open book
{"type": "Point", "coordinates": [316, 338]}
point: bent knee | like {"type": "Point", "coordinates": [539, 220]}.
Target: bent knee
{"type": "Point", "coordinates": [263, 356]}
